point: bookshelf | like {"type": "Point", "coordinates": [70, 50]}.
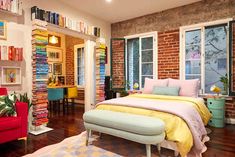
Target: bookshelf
{"type": "Point", "coordinates": [67, 31]}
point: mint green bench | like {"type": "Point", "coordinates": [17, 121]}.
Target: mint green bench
{"type": "Point", "coordinates": [137, 128]}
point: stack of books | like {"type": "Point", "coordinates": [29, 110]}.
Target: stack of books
{"type": "Point", "coordinates": [11, 53]}
{"type": "Point", "coordinates": [40, 73]}
{"type": "Point", "coordinates": [100, 72]}
{"type": "Point", "coordinates": [14, 6]}
{"type": "Point", "coordinates": [66, 22]}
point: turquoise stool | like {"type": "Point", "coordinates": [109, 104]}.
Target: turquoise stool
{"type": "Point", "coordinates": [55, 95]}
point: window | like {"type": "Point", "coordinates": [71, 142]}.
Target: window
{"type": "Point", "coordinates": [205, 54]}
{"type": "Point", "coordinates": [79, 65]}
{"type": "Point", "coordinates": [140, 59]}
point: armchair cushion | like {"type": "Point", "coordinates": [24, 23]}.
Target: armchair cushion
{"type": "Point", "coordinates": [8, 123]}
{"type": "Point", "coordinates": [12, 128]}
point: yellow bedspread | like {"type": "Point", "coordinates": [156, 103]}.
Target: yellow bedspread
{"type": "Point", "coordinates": [176, 128]}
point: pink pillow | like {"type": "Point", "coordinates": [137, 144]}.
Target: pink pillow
{"type": "Point", "coordinates": [187, 87]}
{"type": "Point", "coordinates": [150, 83]}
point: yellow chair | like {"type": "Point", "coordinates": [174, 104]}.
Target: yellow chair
{"type": "Point", "coordinates": [72, 93]}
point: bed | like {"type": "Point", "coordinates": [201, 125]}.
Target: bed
{"type": "Point", "coordinates": [185, 118]}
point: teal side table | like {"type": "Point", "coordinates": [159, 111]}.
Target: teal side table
{"type": "Point", "coordinates": [217, 109]}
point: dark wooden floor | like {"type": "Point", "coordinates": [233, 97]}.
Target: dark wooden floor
{"type": "Point", "coordinates": [222, 143]}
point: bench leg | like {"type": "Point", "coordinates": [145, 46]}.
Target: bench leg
{"type": "Point", "coordinates": [148, 150]}
{"type": "Point", "coordinates": [159, 149]}
{"type": "Point", "coordinates": [176, 153]}
{"type": "Point", "coordinates": [100, 135]}
{"type": "Point", "coordinates": [88, 134]}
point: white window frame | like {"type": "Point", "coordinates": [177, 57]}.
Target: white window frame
{"type": "Point", "coordinates": [155, 56]}
{"type": "Point", "coordinates": [200, 26]}
{"type": "Point", "coordinates": [75, 65]}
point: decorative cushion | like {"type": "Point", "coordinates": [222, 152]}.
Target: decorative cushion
{"type": "Point", "coordinates": [150, 83]}
{"type": "Point", "coordinates": [7, 105]}
{"type": "Point", "coordinates": [187, 87]}
{"type": "Point", "coordinates": [174, 91]}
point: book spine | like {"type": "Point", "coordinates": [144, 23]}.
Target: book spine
{"type": "Point", "coordinates": [34, 13]}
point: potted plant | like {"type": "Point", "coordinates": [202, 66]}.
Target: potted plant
{"type": "Point", "coordinates": [24, 98]}
{"type": "Point", "coordinates": [224, 80]}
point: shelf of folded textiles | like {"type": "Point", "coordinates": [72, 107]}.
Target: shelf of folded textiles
{"type": "Point", "coordinates": [69, 31]}
{"type": "Point", "coordinates": [134, 92]}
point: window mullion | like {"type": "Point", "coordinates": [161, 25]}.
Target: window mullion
{"type": "Point", "coordinates": [202, 60]}
{"type": "Point", "coordinates": [140, 62]}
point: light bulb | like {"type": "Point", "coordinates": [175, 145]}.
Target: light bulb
{"type": "Point", "coordinates": [53, 40]}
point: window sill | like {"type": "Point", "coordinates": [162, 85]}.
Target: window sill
{"type": "Point", "coordinates": [205, 96]}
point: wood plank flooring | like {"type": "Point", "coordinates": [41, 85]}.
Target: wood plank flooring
{"type": "Point", "coordinates": [222, 143]}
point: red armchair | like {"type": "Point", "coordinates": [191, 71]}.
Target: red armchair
{"type": "Point", "coordinates": [12, 128]}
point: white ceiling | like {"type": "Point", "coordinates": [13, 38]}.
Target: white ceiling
{"type": "Point", "coordinates": [120, 10]}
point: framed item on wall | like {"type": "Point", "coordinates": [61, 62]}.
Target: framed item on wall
{"type": "Point", "coordinates": [54, 54]}
{"type": "Point", "coordinates": [49, 68]}
{"type": "Point", "coordinates": [3, 30]}
{"type": "Point", "coordinates": [57, 69]}
{"type": "Point", "coordinates": [11, 75]}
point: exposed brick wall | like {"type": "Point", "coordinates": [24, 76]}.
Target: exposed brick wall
{"type": "Point", "coordinates": [69, 46]}
{"type": "Point", "coordinates": [167, 24]}
{"type": "Point", "coordinates": [168, 54]}
{"type": "Point", "coordinates": [118, 74]}
{"type": "Point", "coordinates": [230, 108]}
{"type": "Point", "coordinates": [202, 11]}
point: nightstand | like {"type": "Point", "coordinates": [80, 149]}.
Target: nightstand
{"type": "Point", "coordinates": [217, 109]}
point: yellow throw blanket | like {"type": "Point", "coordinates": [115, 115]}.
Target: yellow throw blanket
{"type": "Point", "coordinates": [176, 128]}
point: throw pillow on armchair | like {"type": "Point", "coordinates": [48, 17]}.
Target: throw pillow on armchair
{"type": "Point", "coordinates": [7, 105]}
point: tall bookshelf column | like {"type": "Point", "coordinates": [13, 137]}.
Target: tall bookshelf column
{"type": "Point", "coordinates": [40, 77]}
{"type": "Point", "coordinates": [100, 71]}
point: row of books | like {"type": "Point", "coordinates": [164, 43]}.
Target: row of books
{"type": "Point", "coordinates": [11, 53]}
{"type": "Point", "coordinates": [14, 6]}
{"type": "Point", "coordinates": [66, 22]}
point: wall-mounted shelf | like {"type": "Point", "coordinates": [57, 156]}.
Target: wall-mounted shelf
{"type": "Point", "coordinates": [67, 31]}
{"type": "Point", "coordinates": [9, 61]}
{"type": "Point", "coordinates": [9, 13]}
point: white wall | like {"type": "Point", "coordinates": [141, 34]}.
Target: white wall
{"type": "Point", "coordinates": [19, 35]}
{"type": "Point", "coordinates": [24, 26]}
